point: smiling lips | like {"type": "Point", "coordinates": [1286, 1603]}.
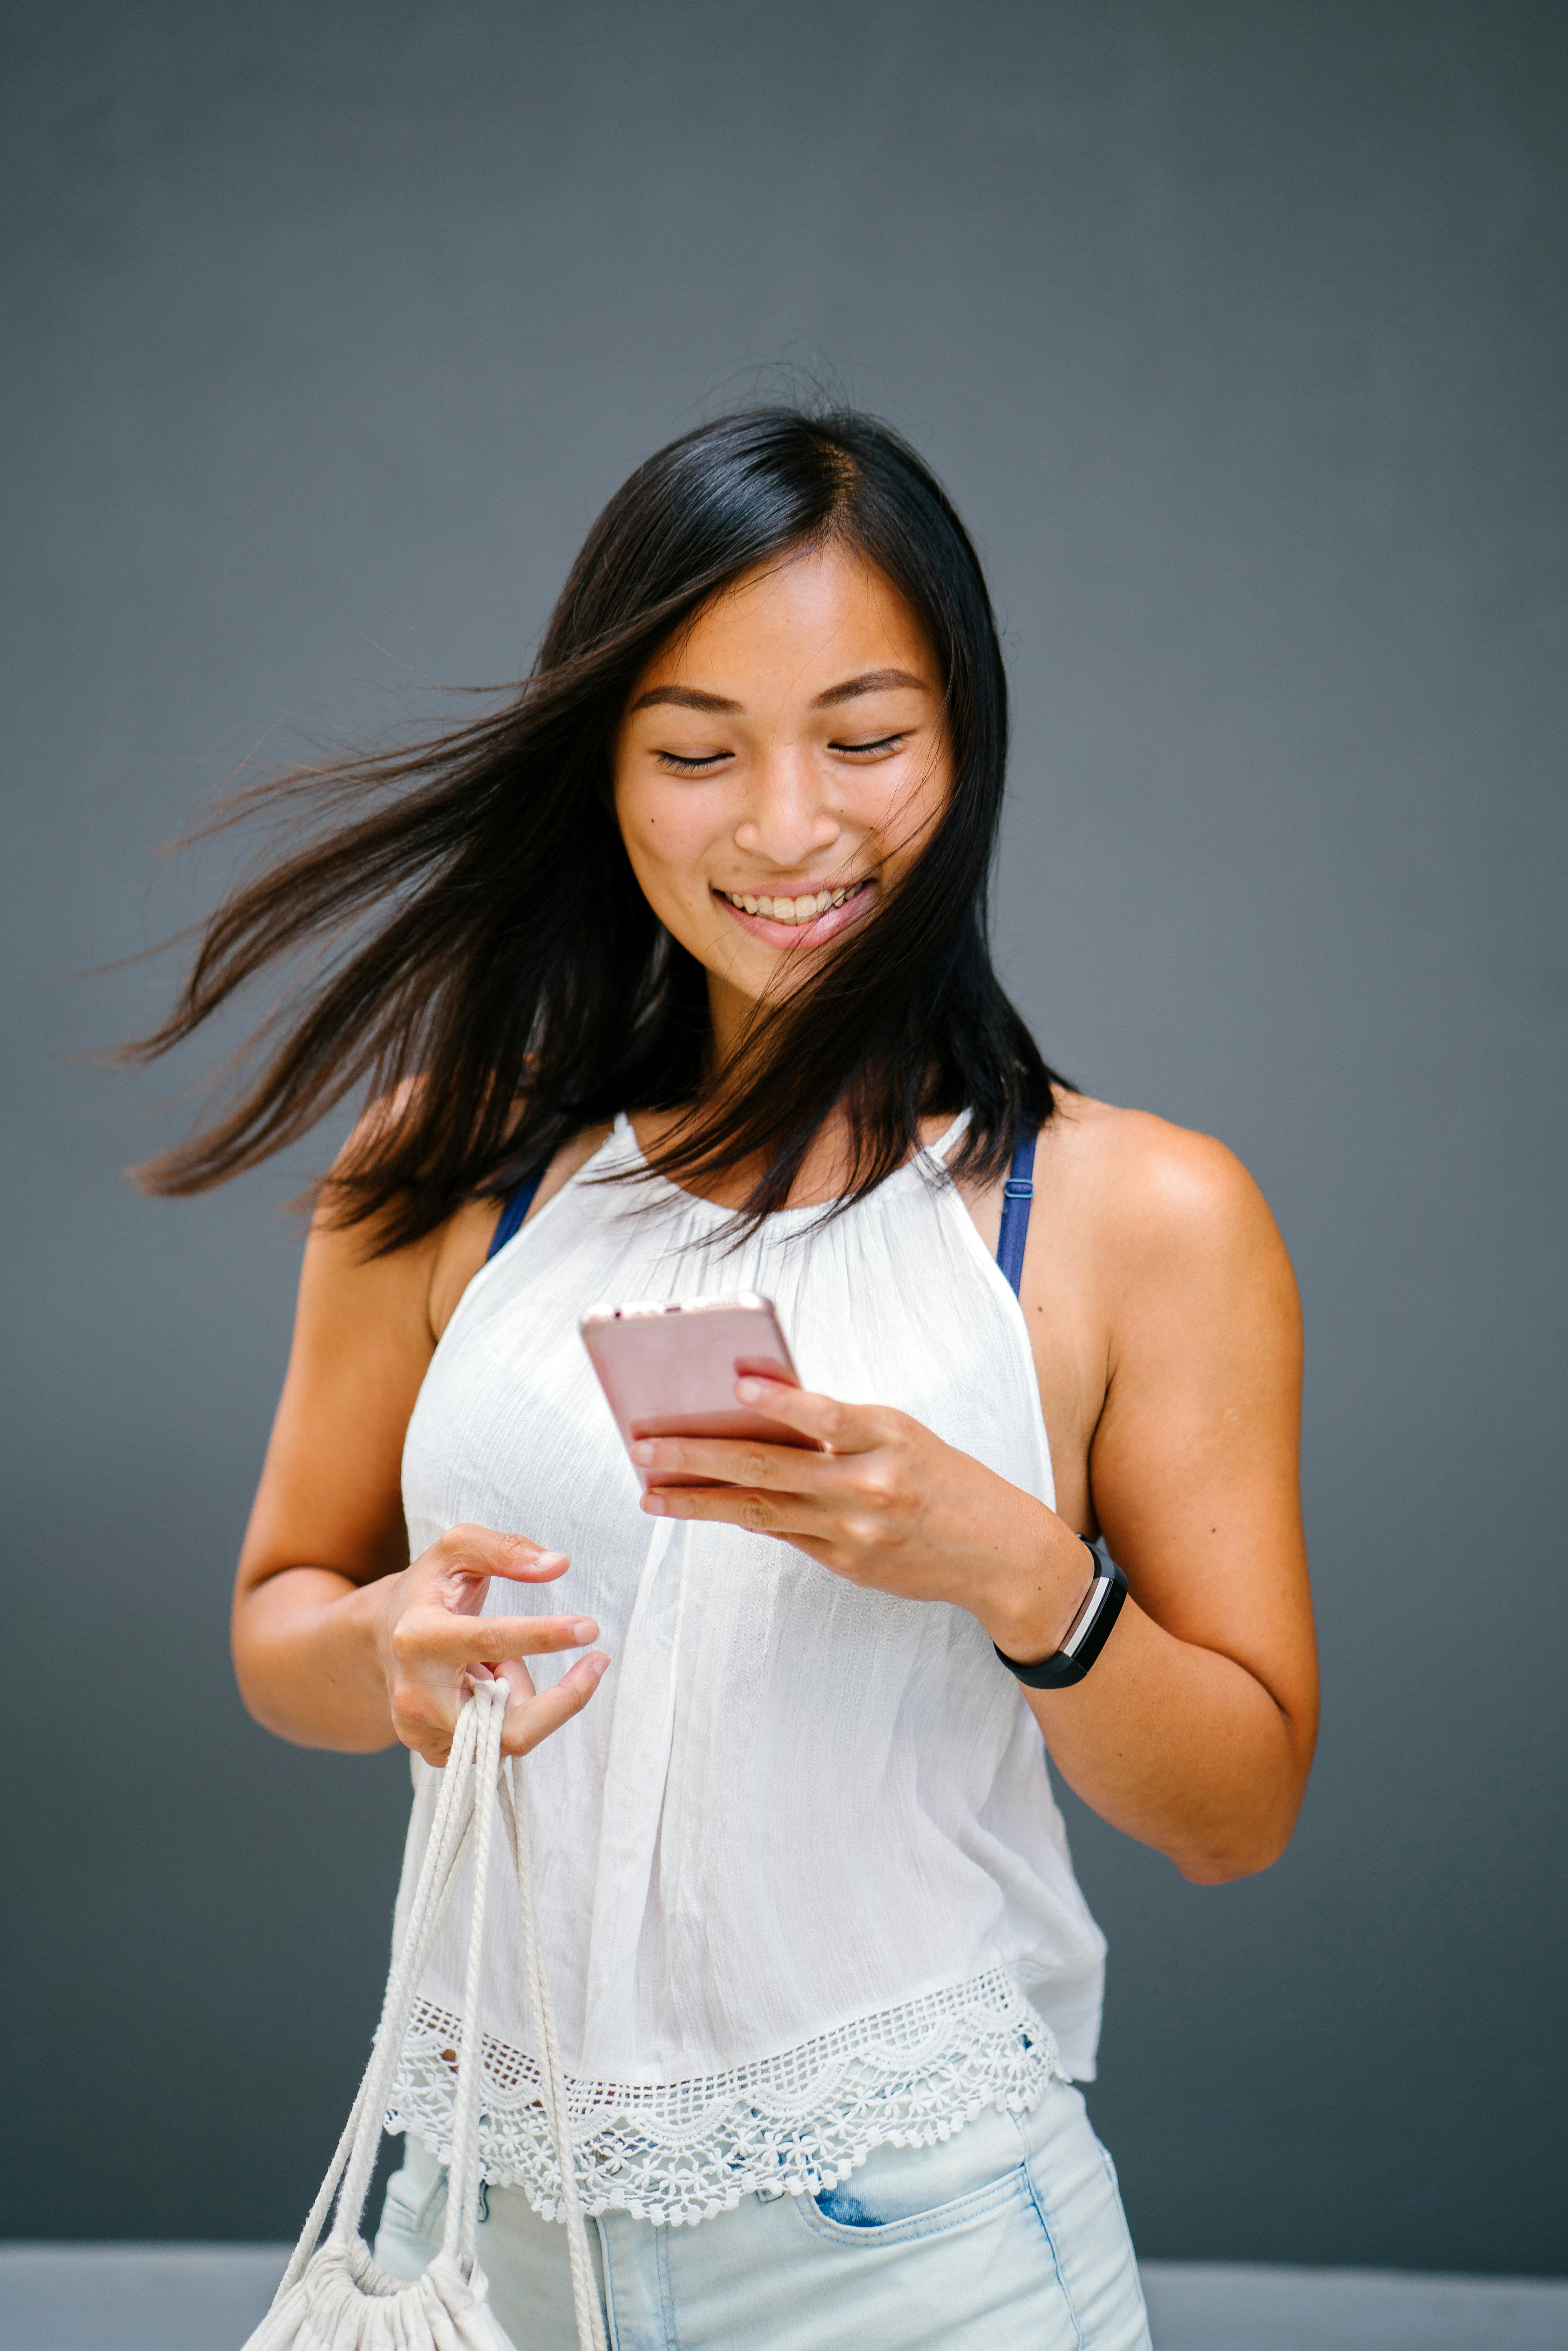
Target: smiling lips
{"type": "Point", "coordinates": [793, 911]}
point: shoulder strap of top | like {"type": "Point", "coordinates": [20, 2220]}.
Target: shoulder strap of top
{"type": "Point", "coordinates": [519, 1203]}
{"type": "Point", "coordinates": [1018, 1192]}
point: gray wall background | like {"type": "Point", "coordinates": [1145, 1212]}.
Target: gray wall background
{"type": "Point", "coordinates": [1238, 332]}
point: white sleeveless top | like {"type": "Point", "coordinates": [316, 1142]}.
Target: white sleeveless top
{"type": "Point", "coordinates": [802, 1883]}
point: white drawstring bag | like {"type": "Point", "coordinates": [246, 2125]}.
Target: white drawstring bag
{"type": "Point", "coordinates": [335, 2297]}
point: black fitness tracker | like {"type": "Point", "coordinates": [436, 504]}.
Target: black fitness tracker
{"type": "Point", "coordinates": [1086, 1636]}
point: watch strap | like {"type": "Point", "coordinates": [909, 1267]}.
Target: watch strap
{"type": "Point", "coordinates": [1086, 1636]}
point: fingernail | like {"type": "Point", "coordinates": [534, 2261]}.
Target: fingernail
{"type": "Point", "coordinates": [549, 1558]}
{"type": "Point", "coordinates": [655, 1505]}
{"type": "Point", "coordinates": [597, 1665]}
{"type": "Point", "coordinates": [585, 1629]}
{"type": "Point", "coordinates": [642, 1452]}
{"type": "Point", "coordinates": [750, 1391]}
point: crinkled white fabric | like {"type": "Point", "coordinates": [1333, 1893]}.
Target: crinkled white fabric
{"type": "Point", "coordinates": [345, 2302]}
{"type": "Point", "coordinates": [793, 1808]}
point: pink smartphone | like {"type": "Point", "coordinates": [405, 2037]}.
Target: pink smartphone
{"type": "Point", "coordinates": [668, 1368]}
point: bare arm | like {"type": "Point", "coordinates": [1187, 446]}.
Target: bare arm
{"type": "Point", "coordinates": [339, 1639]}
{"type": "Point", "coordinates": [1195, 1730]}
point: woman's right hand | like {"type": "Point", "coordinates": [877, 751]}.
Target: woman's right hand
{"type": "Point", "coordinates": [432, 1642]}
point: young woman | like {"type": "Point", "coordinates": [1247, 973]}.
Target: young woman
{"type": "Point", "coordinates": [670, 979]}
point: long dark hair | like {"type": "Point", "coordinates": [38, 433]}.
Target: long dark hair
{"type": "Point", "coordinates": [476, 947]}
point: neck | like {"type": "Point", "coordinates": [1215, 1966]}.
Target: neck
{"type": "Point", "coordinates": [728, 1011]}
{"type": "Point", "coordinates": [824, 1172]}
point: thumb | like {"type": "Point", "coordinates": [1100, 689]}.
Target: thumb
{"type": "Point", "coordinates": [522, 1561]}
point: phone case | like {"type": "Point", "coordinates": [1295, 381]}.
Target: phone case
{"type": "Point", "coordinates": [668, 1368]}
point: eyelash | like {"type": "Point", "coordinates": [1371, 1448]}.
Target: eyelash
{"type": "Point", "coordinates": [699, 766]}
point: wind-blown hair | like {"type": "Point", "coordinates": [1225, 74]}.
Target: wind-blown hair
{"type": "Point", "coordinates": [466, 917]}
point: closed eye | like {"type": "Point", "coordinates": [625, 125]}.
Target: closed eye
{"type": "Point", "coordinates": [683, 763]}
{"type": "Point", "coordinates": [691, 767]}
{"type": "Point", "coordinates": [865, 751]}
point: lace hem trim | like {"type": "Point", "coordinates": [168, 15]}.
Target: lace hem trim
{"type": "Point", "coordinates": [682, 2152]}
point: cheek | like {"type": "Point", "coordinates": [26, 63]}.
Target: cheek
{"type": "Point", "coordinates": [898, 810]}
{"type": "Point", "coordinates": [665, 836]}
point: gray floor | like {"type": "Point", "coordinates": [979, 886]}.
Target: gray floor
{"type": "Point", "coordinates": [208, 2297]}
{"type": "Point", "coordinates": [1210, 2307]}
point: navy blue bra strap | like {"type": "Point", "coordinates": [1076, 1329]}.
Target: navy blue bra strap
{"type": "Point", "coordinates": [1017, 1194]}
{"type": "Point", "coordinates": [512, 1215]}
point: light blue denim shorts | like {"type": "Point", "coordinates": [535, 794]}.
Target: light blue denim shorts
{"type": "Point", "coordinates": [1010, 2233]}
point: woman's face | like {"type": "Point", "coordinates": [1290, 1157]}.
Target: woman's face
{"type": "Point", "coordinates": [780, 766]}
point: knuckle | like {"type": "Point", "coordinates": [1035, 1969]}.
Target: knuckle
{"type": "Point", "coordinates": [470, 1549]}
{"type": "Point", "coordinates": [753, 1466]}
{"type": "Point", "coordinates": [756, 1513]}
{"type": "Point", "coordinates": [426, 1739]}
{"type": "Point", "coordinates": [417, 1634]}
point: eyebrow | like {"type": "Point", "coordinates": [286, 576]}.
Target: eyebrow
{"type": "Point", "coordinates": [692, 697]}
{"type": "Point", "coordinates": [684, 697]}
{"type": "Point", "coordinates": [875, 681]}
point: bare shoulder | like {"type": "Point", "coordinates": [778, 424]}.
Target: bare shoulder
{"type": "Point", "coordinates": [421, 1282]}
{"type": "Point", "coordinates": [1155, 1197]}
{"type": "Point", "coordinates": [1143, 1165]}
{"type": "Point", "coordinates": [351, 1283]}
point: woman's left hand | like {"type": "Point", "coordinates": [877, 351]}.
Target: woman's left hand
{"type": "Point", "coordinates": [885, 1504]}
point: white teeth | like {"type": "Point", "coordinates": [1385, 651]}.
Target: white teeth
{"type": "Point", "coordinates": [804, 909]}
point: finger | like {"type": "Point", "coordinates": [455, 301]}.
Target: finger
{"type": "Point", "coordinates": [483, 1550]}
{"type": "Point", "coordinates": [440, 1636]}
{"type": "Point", "coordinates": [762, 1513]}
{"type": "Point", "coordinates": [735, 1461]}
{"type": "Point", "coordinates": [542, 1568]}
{"type": "Point", "coordinates": [533, 1719]}
{"type": "Point", "coordinates": [423, 1724]}
{"type": "Point", "coordinates": [842, 1427]}
{"type": "Point", "coordinates": [425, 1716]}
{"type": "Point", "coordinates": [516, 1677]}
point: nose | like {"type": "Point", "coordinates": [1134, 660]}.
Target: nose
{"type": "Point", "coordinates": [789, 819]}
